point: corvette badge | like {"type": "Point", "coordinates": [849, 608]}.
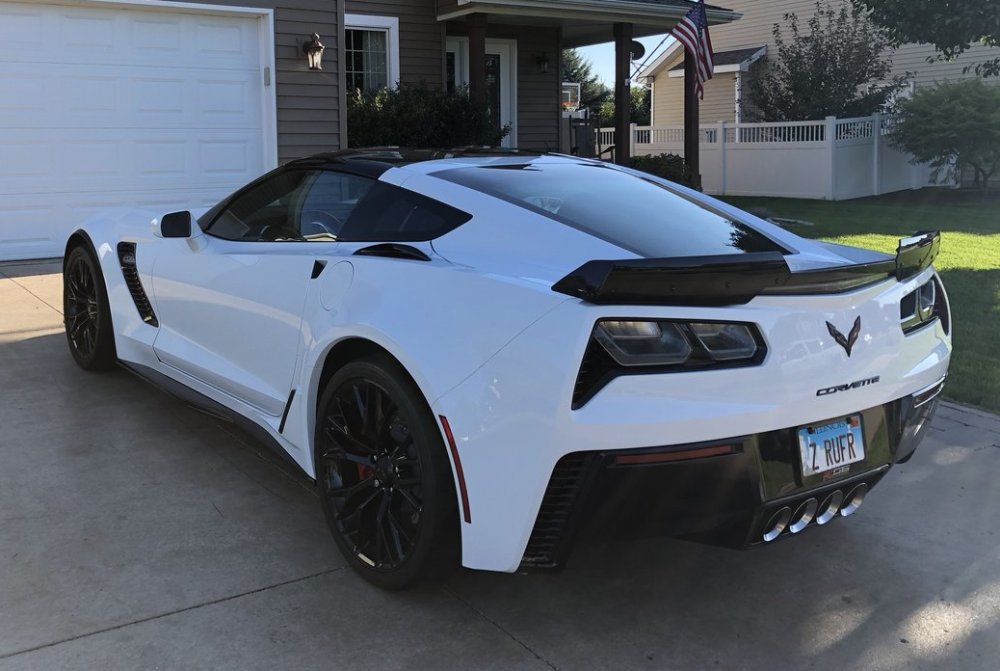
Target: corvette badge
{"type": "Point", "coordinates": [852, 337]}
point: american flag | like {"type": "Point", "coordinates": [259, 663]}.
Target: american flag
{"type": "Point", "coordinates": [692, 32]}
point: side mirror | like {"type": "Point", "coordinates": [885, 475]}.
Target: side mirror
{"type": "Point", "coordinates": [173, 225]}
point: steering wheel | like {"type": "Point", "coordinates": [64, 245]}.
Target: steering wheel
{"type": "Point", "coordinates": [274, 232]}
{"type": "Point", "coordinates": [315, 222]}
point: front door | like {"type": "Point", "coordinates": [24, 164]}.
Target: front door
{"type": "Point", "coordinates": [501, 79]}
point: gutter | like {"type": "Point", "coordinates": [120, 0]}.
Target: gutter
{"type": "Point", "coordinates": [603, 10]}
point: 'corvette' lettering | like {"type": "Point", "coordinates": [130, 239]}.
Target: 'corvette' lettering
{"type": "Point", "coordinates": [857, 384]}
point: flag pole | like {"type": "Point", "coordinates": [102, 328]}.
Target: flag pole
{"type": "Point", "coordinates": [691, 123]}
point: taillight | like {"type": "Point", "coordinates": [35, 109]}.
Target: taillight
{"type": "Point", "coordinates": [634, 346]}
{"type": "Point", "coordinates": [924, 306]}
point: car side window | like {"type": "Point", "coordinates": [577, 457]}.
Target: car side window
{"type": "Point", "coordinates": [328, 203]}
{"type": "Point", "coordinates": [392, 214]}
{"type": "Point", "coordinates": [265, 212]}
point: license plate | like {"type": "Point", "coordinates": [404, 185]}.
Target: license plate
{"type": "Point", "coordinates": [829, 446]}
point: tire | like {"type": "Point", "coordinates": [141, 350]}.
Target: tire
{"type": "Point", "coordinates": [384, 476]}
{"type": "Point", "coordinates": [87, 313]}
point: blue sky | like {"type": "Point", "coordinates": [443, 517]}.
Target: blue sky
{"type": "Point", "coordinates": [602, 56]}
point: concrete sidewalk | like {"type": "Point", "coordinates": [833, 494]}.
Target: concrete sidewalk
{"type": "Point", "coordinates": [136, 533]}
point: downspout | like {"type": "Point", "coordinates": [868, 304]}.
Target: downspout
{"type": "Point", "coordinates": [739, 96]}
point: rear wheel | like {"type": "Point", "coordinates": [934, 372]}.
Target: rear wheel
{"type": "Point", "coordinates": [86, 312]}
{"type": "Point", "coordinates": [384, 476]}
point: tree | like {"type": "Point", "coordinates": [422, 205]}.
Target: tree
{"type": "Point", "coordinates": [640, 112]}
{"type": "Point", "coordinates": [952, 27]}
{"type": "Point", "coordinates": [951, 126]}
{"type": "Point", "coordinates": [578, 70]}
{"type": "Point", "coordinates": [837, 65]}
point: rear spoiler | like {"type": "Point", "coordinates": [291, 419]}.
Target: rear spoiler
{"type": "Point", "coordinates": [734, 279]}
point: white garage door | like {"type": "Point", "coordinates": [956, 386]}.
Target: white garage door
{"type": "Point", "coordinates": [108, 107]}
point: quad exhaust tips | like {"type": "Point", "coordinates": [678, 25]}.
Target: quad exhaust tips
{"type": "Point", "coordinates": [812, 510]}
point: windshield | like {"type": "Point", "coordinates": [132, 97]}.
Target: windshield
{"type": "Point", "coordinates": [636, 214]}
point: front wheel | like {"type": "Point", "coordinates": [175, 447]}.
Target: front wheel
{"type": "Point", "coordinates": [384, 476]}
{"type": "Point", "coordinates": [86, 312]}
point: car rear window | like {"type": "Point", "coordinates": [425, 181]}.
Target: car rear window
{"type": "Point", "coordinates": [636, 214]}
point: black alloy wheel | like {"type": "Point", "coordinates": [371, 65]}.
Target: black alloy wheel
{"type": "Point", "coordinates": [86, 312]}
{"type": "Point", "coordinates": [384, 476]}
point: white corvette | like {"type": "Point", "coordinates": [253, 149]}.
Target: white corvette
{"type": "Point", "coordinates": [479, 356]}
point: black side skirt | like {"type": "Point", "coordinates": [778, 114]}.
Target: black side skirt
{"type": "Point", "coordinates": [203, 404]}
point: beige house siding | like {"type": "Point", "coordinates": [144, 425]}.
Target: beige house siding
{"type": "Point", "coordinates": [755, 28]}
{"type": "Point", "coordinates": [759, 17]}
{"type": "Point", "coordinates": [668, 99]}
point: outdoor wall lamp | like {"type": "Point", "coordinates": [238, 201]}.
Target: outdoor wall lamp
{"type": "Point", "coordinates": [314, 52]}
{"type": "Point", "coordinates": [543, 63]}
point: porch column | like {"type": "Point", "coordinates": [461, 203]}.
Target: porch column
{"type": "Point", "coordinates": [623, 96]}
{"type": "Point", "coordinates": [691, 120]}
{"type": "Point", "coordinates": [476, 24]}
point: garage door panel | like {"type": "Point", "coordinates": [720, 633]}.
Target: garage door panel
{"type": "Point", "coordinates": [102, 97]}
{"type": "Point", "coordinates": [103, 161]}
{"type": "Point", "coordinates": [20, 26]}
{"type": "Point", "coordinates": [27, 231]}
{"type": "Point", "coordinates": [93, 35]}
{"type": "Point", "coordinates": [156, 108]}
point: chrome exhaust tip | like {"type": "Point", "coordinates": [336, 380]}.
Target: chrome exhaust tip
{"type": "Point", "coordinates": [830, 507]}
{"type": "Point", "coordinates": [803, 515]}
{"type": "Point", "coordinates": [777, 524]}
{"type": "Point", "coordinates": [854, 500]}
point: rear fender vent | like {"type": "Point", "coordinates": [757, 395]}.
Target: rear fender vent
{"type": "Point", "coordinates": [596, 370]}
{"type": "Point", "coordinates": [554, 526]}
{"type": "Point", "coordinates": [126, 257]}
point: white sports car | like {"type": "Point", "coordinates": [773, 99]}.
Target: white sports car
{"type": "Point", "coordinates": [478, 356]}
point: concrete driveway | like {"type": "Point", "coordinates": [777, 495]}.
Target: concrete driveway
{"type": "Point", "coordinates": [136, 533]}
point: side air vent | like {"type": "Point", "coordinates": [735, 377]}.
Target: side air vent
{"type": "Point", "coordinates": [126, 257]}
{"type": "Point", "coordinates": [552, 526]}
{"type": "Point", "coordinates": [393, 250]}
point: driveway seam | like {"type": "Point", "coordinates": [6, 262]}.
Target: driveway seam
{"type": "Point", "coordinates": [37, 297]}
{"type": "Point", "coordinates": [153, 618]}
{"type": "Point", "coordinates": [501, 628]}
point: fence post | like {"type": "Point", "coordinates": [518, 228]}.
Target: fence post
{"type": "Point", "coordinates": [877, 154]}
{"type": "Point", "coordinates": [720, 138]}
{"type": "Point", "coordinates": [631, 139]}
{"type": "Point", "coordinates": [830, 140]}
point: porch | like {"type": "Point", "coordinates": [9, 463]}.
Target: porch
{"type": "Point", "coordinates": [508, 52]}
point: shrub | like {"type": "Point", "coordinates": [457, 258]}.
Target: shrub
{"type": "Point", "coordinates": [667, 166]}
{"type": "Point", "coordinates": [951, 126]}
{"type": "Point", "coordinates": [420, 117]}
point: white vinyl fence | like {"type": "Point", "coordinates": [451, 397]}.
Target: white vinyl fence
{"type": "Point", "coordinates": [831, 159]}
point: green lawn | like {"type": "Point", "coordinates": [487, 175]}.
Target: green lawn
{"type": "Point", "coordinates": [969, 264]}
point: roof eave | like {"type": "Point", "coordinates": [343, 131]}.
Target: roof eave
{"type": "Point", "coordinates": [597, 10]}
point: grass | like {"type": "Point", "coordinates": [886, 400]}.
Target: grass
{"type": "Point", "coordinates": [969, 264]}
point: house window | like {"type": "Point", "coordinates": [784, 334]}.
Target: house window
{"type": "Point", "coordinates": [371, 51]}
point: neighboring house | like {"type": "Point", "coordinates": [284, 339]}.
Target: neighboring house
{"type": "Point", "coordinates": [740, 48]}
{"type": "Point", "coordinates": [146, 103]}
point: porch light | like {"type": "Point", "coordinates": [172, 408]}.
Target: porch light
{"type": "Point", "coordinates": [543, 63]}
{"type": "Point", "coordinates": [314, 52]}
